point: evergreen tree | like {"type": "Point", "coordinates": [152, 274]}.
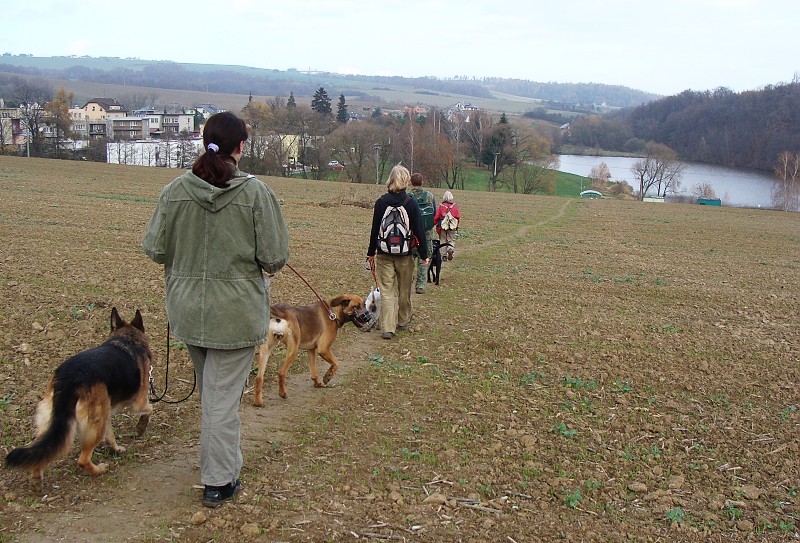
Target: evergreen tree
{"type": "Point", "coordinates": [503, 118]}
{"type": "Point", "coordinates": [341, 111]}
{"type": "Point", "coordinates": [321, 103]}
{"type": "Point", "coordinates": [290, 103]}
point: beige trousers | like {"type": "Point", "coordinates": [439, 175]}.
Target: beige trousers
{"type": "Point", "coordinates": [395, 276]}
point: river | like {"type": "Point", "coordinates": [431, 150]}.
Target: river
{"type": "Point", "coordinates": [735, 187]}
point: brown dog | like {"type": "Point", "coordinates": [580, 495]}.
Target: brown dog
{"type": "Point", "coordinates": [84, 393]}
{"type": "Point", "coordinates": [310, 328]}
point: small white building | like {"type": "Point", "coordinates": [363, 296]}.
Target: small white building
{"type": "Point", "coordinates": [174, 153]}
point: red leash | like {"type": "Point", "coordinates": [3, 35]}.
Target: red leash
{"type": "Point", "coordinates": [331, 314]}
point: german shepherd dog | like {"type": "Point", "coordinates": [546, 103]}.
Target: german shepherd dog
{"type": "Point", "coordinates": [83, 394]}
{"type": "Point", "coordinates": [311, 328]}
{"type": "Point", "coordinates": [435, 266]}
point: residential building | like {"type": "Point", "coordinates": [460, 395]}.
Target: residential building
{"type": "Point", "coordinates": [161, 122]}
{"type": "Point", "coordinates": [415, 111]}
{"type": "Point", "coordinates": [175, 123]}
{"type": "Point", "coordinates": [207, 109]}
{"type": "Point", "coordinates": [10, 126]}
{"type": "Point", "coordinates": [98, 130]}
{"type": "Point", "coordinates": [129, 128]}
{"type": "Point", "coordinates": [99, 109]}
{"type": "Point", "coordinates": [80, 125]}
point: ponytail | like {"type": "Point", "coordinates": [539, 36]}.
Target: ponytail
{"type": "Point", "coordinates": [222, 135]}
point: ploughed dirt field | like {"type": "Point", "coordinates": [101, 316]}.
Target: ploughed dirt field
{"type": "Point", "coordinates": [586, 371]}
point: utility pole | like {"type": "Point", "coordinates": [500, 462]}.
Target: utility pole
{"type": "Point", "coordinates": [377, 158]}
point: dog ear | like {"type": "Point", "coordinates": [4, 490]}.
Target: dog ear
{"type": "Point", "coordinates": [343, 301]}
{"type": "Point", "coordinates": [116, 320]}
{"type": "Point", "coordinates": [137, 321]}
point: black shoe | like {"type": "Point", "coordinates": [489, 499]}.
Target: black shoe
{"type": "Point", "coordinates": [213, 496]}
{"type": "Point", "coordinates": [387, 335]}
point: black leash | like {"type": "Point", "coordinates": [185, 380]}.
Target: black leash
{"type": "Point", "coordinates": [153, 392]}
{"type": "Point", "coordinates": [166, 381]}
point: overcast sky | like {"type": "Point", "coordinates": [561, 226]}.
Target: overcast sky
{"type": "Point", "coordinates": [664, 46]}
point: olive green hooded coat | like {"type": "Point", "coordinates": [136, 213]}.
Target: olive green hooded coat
{"type": "Point", "coordinates": [214, 244]}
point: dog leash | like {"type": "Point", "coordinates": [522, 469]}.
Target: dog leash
{"type": "Point", "coordinates": [374, 277]}
{"type": "Point", "coordinates": [331, 314]}
{"type": "Point", "coordinates": [166, 381]}
{"type": "Point", "coordinates": [153, 392]}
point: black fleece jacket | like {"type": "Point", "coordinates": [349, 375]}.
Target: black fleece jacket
{"type": "Point", "coordinates": [414, 215]}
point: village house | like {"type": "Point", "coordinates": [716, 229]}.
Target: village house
{"type": "Point", "coordinates": [99, 109]}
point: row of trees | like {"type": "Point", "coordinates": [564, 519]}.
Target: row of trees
{"type": "Point", "coordinates": [170, 75]}
{"type": "Point", "coordinates": [517, 157]}
{"type": "Point", "coordinates": [42, 112]}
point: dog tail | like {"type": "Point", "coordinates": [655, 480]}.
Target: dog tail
{"type": "Point", "coordinates": [55, 419]}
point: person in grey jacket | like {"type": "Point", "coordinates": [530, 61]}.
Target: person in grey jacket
{"type": "Point", "coordinates": [216, 230]}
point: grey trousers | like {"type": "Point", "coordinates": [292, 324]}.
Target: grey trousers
{"type": "Point", "coordinates": [422, 268]}
{"type": "Point", "coordinates": [221, 380]}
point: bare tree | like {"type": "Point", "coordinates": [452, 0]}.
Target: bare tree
{"type": "Point", "coordinates": [31, 97]}
{"type": "Point", "coordinates": [786, 192]}
{"type": "Point", "coordinates": [276, 103]}
{"type": "Point", "coordinates": [139, 100]}
{"type": "Point", "coordinates": [600, 176]}
{"type": "Point", "coordinates": [529, 164]}
{"type": "Point", "coordinates": [658, 169]}
{"type": "Point", "coordinates": [261, 124]}
{"type": "Point", "coordinates": [5, 132]}
{"type": "Point", "coordinates": [475, 128]}
{"type": "Point", "coordinates": [364, 149]}
{"type": "Point", "coordinates": [704, 190]}
{"type": "Point", "coordinates": [187, 152]}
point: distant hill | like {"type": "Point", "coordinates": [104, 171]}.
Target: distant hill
{"type": "Point", "coordinates": [512, 95]}
{"type": "Point", "coordinates": [747, 129]}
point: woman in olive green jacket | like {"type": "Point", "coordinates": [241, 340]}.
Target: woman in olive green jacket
{"type": "Point", "coordinates": [216, 230]}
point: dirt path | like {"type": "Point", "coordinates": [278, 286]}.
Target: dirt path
{"type": "Point", "coordinates": [156, 497]}
{"type": "Point", "coordinates": [521, 231]}
{"type": "Point", "coordinates": [159, 495]}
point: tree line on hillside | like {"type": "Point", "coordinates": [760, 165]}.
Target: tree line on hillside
{"type": "Point", "coordinates": [176, 76]}
{"type": "Point", "coordinates": [438, 145]}
{"type": "Point", "coordinates": [573, 93]}
{"type": "Point", "coordinates": [312, 139]}
{"type": "Point", "coordinates": [291, 138]}
{"type": "Point", "coordinates": [747, 130]}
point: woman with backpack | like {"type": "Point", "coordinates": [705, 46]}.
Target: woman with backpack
{"type": "Point", "coordinates": [396, 228]}
{"type": "Point", "coordinates": [447, 219]}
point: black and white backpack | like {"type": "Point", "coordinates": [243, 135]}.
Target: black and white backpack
{"type": "Point", "coordinates": [394, 234]}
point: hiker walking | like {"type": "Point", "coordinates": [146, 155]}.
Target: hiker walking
{"type": "Point", "coordinates": [427, 206]}
{"type": "Point", "coordinates": [447, 219]}
{"type": "Point", "coordinates": [216, 230]}
{"type": "Point", "coordinates": [396, 222]}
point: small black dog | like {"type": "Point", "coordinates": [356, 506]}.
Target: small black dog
{"type": "Point", "coordinates": [435, 267]}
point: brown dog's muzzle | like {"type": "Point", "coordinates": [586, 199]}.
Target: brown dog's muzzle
{"type": "Point", "coordinates": [361, 317]}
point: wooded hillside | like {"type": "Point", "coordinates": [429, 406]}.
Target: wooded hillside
{"type": "Point", "coordinates": [267, 82]}
{"type": "Point", "coordinates": [748, 129]}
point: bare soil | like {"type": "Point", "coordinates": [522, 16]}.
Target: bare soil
{"type": "Point", "coordinates": [586, 371]}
